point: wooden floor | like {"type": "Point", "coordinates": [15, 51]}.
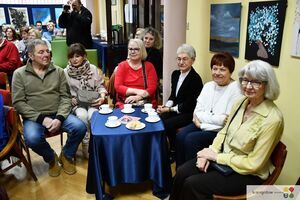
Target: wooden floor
{"type": "Point", "coordinates": [20, 186]}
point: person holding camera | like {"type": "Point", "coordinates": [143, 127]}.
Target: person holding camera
{"type": "Point", "coordinates": [77, 20]}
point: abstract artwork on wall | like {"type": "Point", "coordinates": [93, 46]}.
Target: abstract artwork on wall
{"type": "Point", "coordinates": [296, 32]}
{"type": "Point", "coordinates": [18, 16]}
{"type": "Point", "coordinates": [225, 28]}
{"type": "Point", "coordinates": [264, 31]}
{"type": "Point", "coordinates": [41, 14]}
{"type": "Point", "coordinates": [2, 16]}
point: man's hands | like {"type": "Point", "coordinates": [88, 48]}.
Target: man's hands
{"type": "Point", "coordinates": [53, 125]}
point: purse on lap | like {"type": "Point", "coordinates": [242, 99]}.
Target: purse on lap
{"type": "Point", "coordinates": [85, 98]}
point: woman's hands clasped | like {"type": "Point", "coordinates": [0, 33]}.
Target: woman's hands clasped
{"type": "Point", "coordinates": [204, 157]}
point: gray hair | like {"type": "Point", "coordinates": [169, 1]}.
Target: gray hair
{"type": "Point", "coordinates": [188, 49]}
{"type": "Point", "coordinates": [262, 71]}
{"type": "Point", "coordinates": [33, 43]}
{"type": "Point", "coordinates": [141, 45]}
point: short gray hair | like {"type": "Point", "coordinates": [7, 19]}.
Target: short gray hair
{"type": "Point", "coordinates": [262, 71]}
{"type": "Point", "coordinates": [188, 49]}
{"type": "Point", "coordinates": [141, 45]}
{"type": "Point", "coordinates": [33, 43]}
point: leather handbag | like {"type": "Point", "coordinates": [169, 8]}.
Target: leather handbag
{"type": "Point", "coordinates": [85, 98]}
{"type": "Point", "coordinates": [222, 169]}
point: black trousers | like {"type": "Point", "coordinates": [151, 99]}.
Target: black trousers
{"type": "Point", "coordinates": [173, 121]}
{"type": "Point", "coordinates": [191, 184]}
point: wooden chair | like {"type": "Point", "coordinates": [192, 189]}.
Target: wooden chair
{"type": "Point", "coordinates": [15, 144]}
{"type": "Point", "coordinates": [278, 158]}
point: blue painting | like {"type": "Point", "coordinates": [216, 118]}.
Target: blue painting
{"type": "Point", "coordinates": [225, 28]}
{"type": "Point", "coordinates": [41, 14]}
{"type": "Point", "coordinates": [58, 12]}
{"type": "Point", "coordinates": [264, 31]}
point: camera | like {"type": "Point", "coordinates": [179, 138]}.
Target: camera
{"type": "Point", "coordinates": [67, 7]}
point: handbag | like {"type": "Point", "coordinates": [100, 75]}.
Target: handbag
{"type": "Point", "coordinates": [85, 98]}
{"type": "Point", "coordinates": [225, 169]}
{"type": "Point", "coordinates": [222, 169]}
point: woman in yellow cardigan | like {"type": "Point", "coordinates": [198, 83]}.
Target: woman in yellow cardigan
{"type": "Point", "coordinates": [245, 144]}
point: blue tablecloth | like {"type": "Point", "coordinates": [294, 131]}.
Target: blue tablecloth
{"type": "Point", "coordinates": [119, 155]}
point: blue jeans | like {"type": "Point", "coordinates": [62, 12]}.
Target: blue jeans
{"type": "Point", "coordinates": [190, 140]}
{"type": "Point", "coordinates": [34, 134]}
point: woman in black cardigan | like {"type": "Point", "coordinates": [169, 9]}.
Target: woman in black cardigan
{"type": "Point", "coordinates": [186, 87]}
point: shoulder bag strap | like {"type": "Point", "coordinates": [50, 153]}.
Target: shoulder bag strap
{"type": "Point", "coordinates": [144, 75]}
{"type": "Point", "coordinates": [222, 147]}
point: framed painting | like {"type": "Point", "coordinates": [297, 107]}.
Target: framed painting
{"type": "Point", "coordinates": [296, 32]}
{"type": "Point", "coordinates": [18, 16]}
{"type": "Point", "coordinates": [41, 14]}
{"type": "Point", "coordinates": [225, 28]}
{"type": "Point", "coordinates": [264, 31]}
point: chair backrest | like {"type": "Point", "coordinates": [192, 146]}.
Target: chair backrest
{"type": "Point", "coordinates": [6, 97]}
{"type": "Point", "coordinates": [4, 81]}
{"type": "Point", "coordinates": [92, 56]}
{"type": "Point", "coordinates": [278, 159]}
{"type": "Point", "coordinates": [59, 50]}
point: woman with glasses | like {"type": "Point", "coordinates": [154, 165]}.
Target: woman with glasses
{"type": "Point", "coordinates": [245, 144]}
{"type": "Point", "coordinates": [186, 85]}
{"type": "Point", "coordinates": [134, 84]}
{"type": "Point", "coordinates": [213, 106]}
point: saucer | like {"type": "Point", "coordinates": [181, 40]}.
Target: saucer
{"type": "Point", "coordinates": [109, 125]}
{"type": "Point", "coordinates": [152, 119]}
{"type": "Point", "coordinates": [142, 125]}
{"type": "Point", "coordinates": [127, 111]}
{"type": "Point", "coordinates": [104, 112]}
{"type": "Point", "coordinates": [144, 111]}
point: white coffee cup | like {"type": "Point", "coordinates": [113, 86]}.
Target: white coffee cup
{"type": "Point", "coordinates": [127, 106]}
{"type": "Point", "coordinates": [147, 107]}
{"type": "Point", "coordinates": [104, 107]}
{"type": "Point", "coordinates": [152, 115]}
{"type": "Point", "coordinates": [112, 120]}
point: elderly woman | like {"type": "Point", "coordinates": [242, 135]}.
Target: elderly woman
{"type": "Point", "coordinates": [133, 83]}
{"type": "Point", "coordinates": [245, 144]}
{"type": "Point", "coordinates": [152, 40]}
{"type": "Point", "coordinates": [213, 106]}
{"type": "Point", "coordinates": [81, 75]}
{"type": "Point", "coordinates": [186, 87]}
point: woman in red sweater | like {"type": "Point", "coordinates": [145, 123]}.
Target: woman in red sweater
{"type": "Point", "coordinates": [131, 84]}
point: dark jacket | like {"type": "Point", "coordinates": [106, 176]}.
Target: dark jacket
{"type": "Point", "coordinates": [155, 57]}
{"type": "Point", "coordinates": [190, 89]}
{"type": "Point", "coordinates": [78, 27]}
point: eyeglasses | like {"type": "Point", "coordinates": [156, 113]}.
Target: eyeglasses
{"type": "Point", "coordinates": [134, 49]}
{"type": "Point", "coordinates": [184, 59]}
{"type": "Point", "coordinates": [254, 83]}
